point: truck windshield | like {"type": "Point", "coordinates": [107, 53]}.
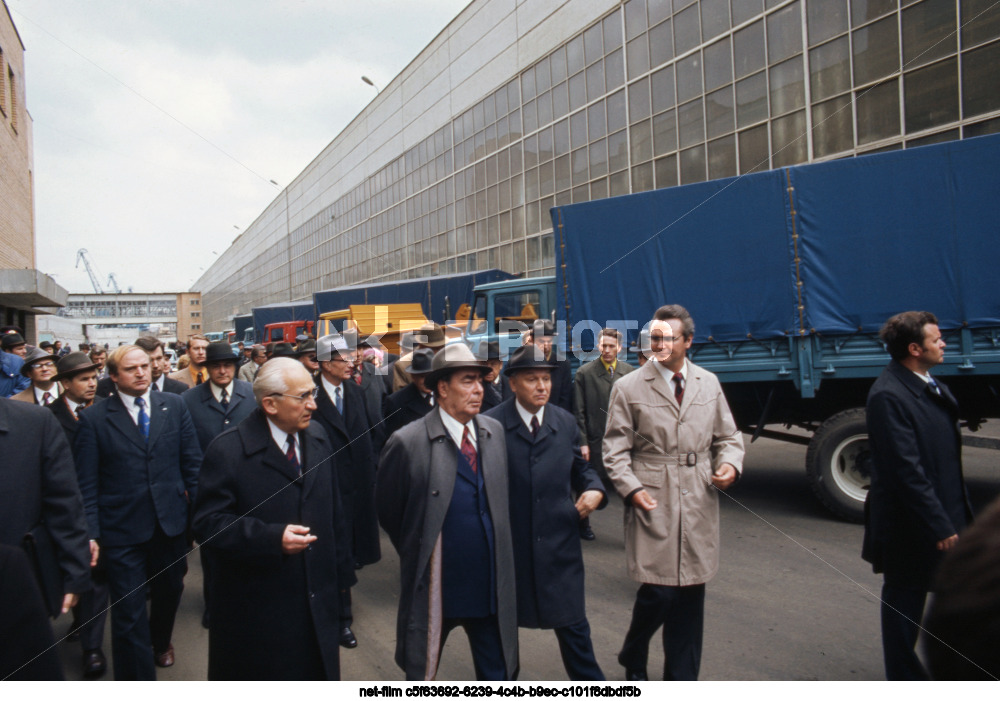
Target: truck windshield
{"type": "Point", "coordinates": [520, 307]}
{"type": "Point", "coordinates": [477, 321]}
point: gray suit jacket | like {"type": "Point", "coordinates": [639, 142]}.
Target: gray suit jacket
{"type": "Point", "coordinates": [591, 394]}
{"type": "Point", "coordinates": [416, 479]}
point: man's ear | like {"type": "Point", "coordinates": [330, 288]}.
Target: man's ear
{"type": "Point", "coordinates": [267, 404]}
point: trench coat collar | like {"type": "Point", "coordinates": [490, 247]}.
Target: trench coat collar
{"type": "Point", "coordinates": [692, 385]}
{"type": "Point", "coordinates": [513, 423]}
{"type": "Point", "coordinates": [255, 435]}
{"type": "Point", "coordinates": [918, 387]}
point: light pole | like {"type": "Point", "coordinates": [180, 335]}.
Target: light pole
{"type": "Point", "coordinates": [369, 81]}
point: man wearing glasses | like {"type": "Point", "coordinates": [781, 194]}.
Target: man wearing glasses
{"type": "Point", "coordinates": [40, 368]}
{"type": "Point", "coordinates": [268, 509]}
{"type": "Point", "coordinates": [670, 444]}
{"type": "Point", "coordinates": [340, 409]}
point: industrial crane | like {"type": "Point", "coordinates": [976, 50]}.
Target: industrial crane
{"type": "Point", "coordinates": [113, 283]}
{"type": "Point", "coordinates": [82, 255]}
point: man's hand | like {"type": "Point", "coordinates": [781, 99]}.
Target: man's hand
{"type": "Point", "coordinates": [725, 476]}
{"type": "Point", "coordinates": [642, 500]}
{"type": "Point", "coordinates": [588, 502]}
{"type": "Point", "coordinates": [69, 601]}
{"type": "Point", "coordinates": [585, 449]}
{"type": "Point", "coordinates": [95, 551]}
{"type": "Point", "coordinates": [295, 539]}
{"type": "Point", "coordinates": [948, 543]}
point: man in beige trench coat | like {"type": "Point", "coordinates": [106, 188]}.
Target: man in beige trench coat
{"type": "Point", "coordinates": [670, 443]}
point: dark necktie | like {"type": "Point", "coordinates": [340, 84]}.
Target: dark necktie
{"type": "Point", "coordinates": [678, 387]}
{"type": "Point", "coordinates": [469, 450]}
{"type": "Point", "coordinates": [46, 399]}
{"type": "Point", "coordinates": [143, 417]}
{"type": "Point", "coordinates": [79, 410]}
{"type": "Point", "coordinates": [197, 378]}
{"type": "Point", "coordinates": [534, 425]}
{"type": "Point", "coordinates": [293, 459]}
{"type": "Point", "coordinates": [224, 399]}
{"type": "Point", "coordinates": [154, 387]}
{"type": "Point", "coordinates": [933, 385]}
{"type": "Point", "coordinates": [338, 399]}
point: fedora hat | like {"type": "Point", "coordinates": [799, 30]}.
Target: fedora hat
{"type": "Point", "coordinates": [454, 356]}
{"type": "Point", "coordinates": [331, 344]}
{"type": "Point", "coordinates": [283, 350]}
{"type": "Point", "coordinates": [422, 362]}
{"type": "Point", "coordinates": [529, 357]}
{"type": "Point", "coordinates": [306, 346]}
{"type": "Point", "coordinates": [12, 340]}
{"type": "Point", "coordinates": [36, 355]}
{"type": "Point", "coordinates": [543, 327]}
{"type": "Point", "coordinates": [219, 352]}
{"type": "Point", "coordinates": [73, 363]}
{"type": "Point", "coordinates": [641, 346]}
{"type": "Point", "coordinates": [430, 335]}
{"type": "Point", "coordinates": [489, 351]}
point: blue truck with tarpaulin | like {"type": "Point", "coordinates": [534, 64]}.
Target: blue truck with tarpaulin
{"type": "Point", "coordinates": [789, 275]}
{"type": "Point", "coordinates": [440, 296]}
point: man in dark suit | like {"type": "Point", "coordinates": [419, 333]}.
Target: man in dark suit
{"type": "Point", "coordinates": [78, 377]}
{"type": "Point", "coordinates": [493, 381]}
{"type": "Point", "coordinates": [268, 508]}
{"type": "Point", "coordinates": [545, 467]}
{"type": "Point", "coordinates": [159, 367]}
{"type": "Point", "coordinates": [215, 406]}
{"type": "Point", "coordinates": [917, 504]}
{"type": "Point", "coordinates": [591, 393]}
{"type": "Point", "coordinates": [138, 460]}
{"type": "Point", "coordinates": [340, 410]}
{"type": "Point", "coordinates": [40, 505]}
{"type": "Point", "coordinates": [442, 499]}
{"type": "Point", "coordinates": [413, 401]}
{"type": "Point", "coordinates": [369, 379]}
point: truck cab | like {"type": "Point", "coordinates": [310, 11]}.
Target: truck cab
{"type": "Point", "coordinates": [501, 311]}
{"type": "Point", "coordinates": [286, 331]}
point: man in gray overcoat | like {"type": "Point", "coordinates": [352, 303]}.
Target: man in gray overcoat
{"type": "Point", "coordinates": [670, 444]}
{"type": "Point", "coordinates": [441, 495]}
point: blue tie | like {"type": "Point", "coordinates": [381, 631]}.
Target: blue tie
{"type": "Point", "coordinates": [143, 417]}
{"type": "Point", "coordinates": [338, 400]}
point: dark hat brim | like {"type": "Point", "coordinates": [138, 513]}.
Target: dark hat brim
{"type": "Point", "coordinates": [74, 371]}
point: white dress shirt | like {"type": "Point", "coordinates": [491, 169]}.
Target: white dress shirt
{"type": "Point", "coordinates": [526, 416]}
{"type": "Point", "coordinates": [281, 439]}
{"type": "Point", "coordinates": [53, 393]}
{"type": "Point", "coordinates": [217, 391]}
{"type": "Point", "coordinates": [668, 374]}
{"type": "Point", "coordinates": [456, 429]}
{"type": "Point", "coordinates": [129, 401]}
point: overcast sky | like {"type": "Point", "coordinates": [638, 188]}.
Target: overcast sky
{"type": "Point", "coordinates": [158, 124]}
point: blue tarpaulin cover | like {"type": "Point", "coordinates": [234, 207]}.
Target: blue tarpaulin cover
{"type": "Point", "coordinates": [870, 237]}
{"type": "Point", "coordinates": [430, 292]}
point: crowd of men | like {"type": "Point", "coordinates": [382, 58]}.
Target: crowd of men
{"type": "Point", "coordinates": [280, 464]}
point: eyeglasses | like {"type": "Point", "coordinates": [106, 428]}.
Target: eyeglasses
{"type": "Point", "coordinates": [304, 397]}
{"type": "Point", "coordinates": [46, 364]}
{"type": "Point", "coordinates": [663, 339]}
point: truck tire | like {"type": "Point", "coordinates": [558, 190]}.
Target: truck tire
{"type": "Point", "coordinates": [838, 462]}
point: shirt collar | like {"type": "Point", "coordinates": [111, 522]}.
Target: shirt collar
{"type": "Point", "coordinates": [159, 382]}
{"type": "Point", "coordinates": [217, 391]}
{"type": "Point", "coordinates": [526, 416]}
{"type": "Point", "coordinates": [330, 387]}
{"type": "Point", "coordinates": [668, 375]}
{"type": "Point", "coordinates": [609, 367]}
{"type": "Point", "coordinates": [70, 404]}
{"type": "Point", "coordinates": [281, 439]}
{"type": "Point", "coordinates": [53, 392]}
{"type": "Point", "coordinates": [456, 429]}
{"type": "Point", "coordinates": [129, 401]}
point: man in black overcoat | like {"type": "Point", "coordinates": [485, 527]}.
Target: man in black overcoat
{"type": "Point", "coordinates": [268, 508]}
{"type": "Point", "coordinates": [340, 410]}
{"type": "Point", "coordinates": [77, 374]}
{"type": "Point", "coordinates": [545, 468]}
{"type": "Point", "coordinates": [413, 401]}
{"type": "Point", "coordinates": [917, 504]}
{"type": "Point", "coordinates": [137, 458]}
{"type": "Point", "coordinates": [159, 368]}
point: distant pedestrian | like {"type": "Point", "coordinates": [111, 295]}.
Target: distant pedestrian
{"type": "Point", "coordinates": [917, 504]}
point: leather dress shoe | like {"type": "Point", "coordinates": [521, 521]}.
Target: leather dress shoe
{"type": "Point", "coordinates": [587, 533]}
{"type": "Point", "coordinates": [636, 675]}
{"type": "Point", "coordinates": [347, 638]}
{"type": "Point", "coordinates": [165, 658]}
{"type": "Point", "coordinates": [94, 664]}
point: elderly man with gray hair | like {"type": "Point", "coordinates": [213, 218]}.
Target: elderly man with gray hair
{"type": "Point", "coordinates": [269, 508]}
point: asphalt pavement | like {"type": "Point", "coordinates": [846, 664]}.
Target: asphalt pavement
{"type": "Point", "coordinates": [792, 600]}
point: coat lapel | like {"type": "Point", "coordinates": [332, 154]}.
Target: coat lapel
{"type": "Point", "coordinates": [158, 416]}
{"type": "Point", "coordinates": [208, 399]}
{"type": "Point", "coordinates": [256, 438]}
{"type": "Point", "coordinates": [657, 382]}
{"type": "Point", "coordinates": [119, 417]}
{"type": "Point", "coordinates": [326, 407]}
{"type": "Point", "coordinates": [441, 472]}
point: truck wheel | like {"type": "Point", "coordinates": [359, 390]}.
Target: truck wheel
{"type": "Point", "coordinates": [839, 464]}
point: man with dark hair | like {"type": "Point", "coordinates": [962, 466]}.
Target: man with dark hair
{"type": "Point", "coordinates": [138, 458]}
{"type": "Point", "coordinates": [917, 503]}
{"type": "Point", "coordinates": [591, 392]}
{"type": "Point", "coordinates": [442, 499]}
{"type": "Point", "coordinates": [159, 367]}
{"type": "Point", "coordinates": [248, 371]}
{"type": "Point", "coordinates": [670, 445]}
{"type": "Point", "coordinates": [40, 368]}
{"type": "Point", "coordinates": [99, 355]}
{"type": "Point", "coordinates": [12, 352]}
{"type": "Point", "coordinates": [545, 468]}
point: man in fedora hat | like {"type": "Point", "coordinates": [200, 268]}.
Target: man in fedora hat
{"type": "Point", "coordinates": [413, 401]}
{"type": "Point", "coordinates": [305, 351]}
{"type": "Point", "coordinates": [340, 410]}
{"type": "Point", "coordinates": [493, 380]}
{"type": "Point", "coordinates": [368, 378]}
{"type": "Point", "coordinates": [77, 374]}
{"type": "Point", "coordinates": [430, 335]}
{"type": "Point", "coordinates": [282, 350]}
{"type": "Point", "coordinates": [442, 499]}
{"type": "Point", "coordinates": [12, 352]}
{"type": "Point", "coordinates": [545, 467]}
{"type": "Point", "coordinates": [216, 405]}
{"type": "Point", "coordinates": [40, 368]}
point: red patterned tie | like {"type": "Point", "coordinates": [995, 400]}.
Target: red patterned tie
{"type": "Point", "coordinates": [293, 459]}
{"type": "Point", "coordinates": [678, 387]}
{"type": "Point", "coordinates": [469, 450]}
